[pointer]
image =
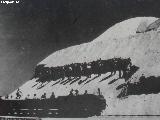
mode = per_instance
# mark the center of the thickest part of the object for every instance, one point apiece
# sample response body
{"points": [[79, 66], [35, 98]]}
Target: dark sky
{"points": [[33, 29]]}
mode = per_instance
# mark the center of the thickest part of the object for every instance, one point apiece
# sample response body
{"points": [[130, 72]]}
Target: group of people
{"points": [[77, 70], [18, 95], [44, 96], [76, 92]]}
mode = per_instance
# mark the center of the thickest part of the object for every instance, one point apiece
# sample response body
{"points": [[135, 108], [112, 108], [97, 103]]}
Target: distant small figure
{"points": [[28, 96], [6, 97], [76, 92], [11, 96], [52, 95], [18, 94], [71, 92], [142, 78], [43, 96], [99, 91], [34, 96], [85, 93]]}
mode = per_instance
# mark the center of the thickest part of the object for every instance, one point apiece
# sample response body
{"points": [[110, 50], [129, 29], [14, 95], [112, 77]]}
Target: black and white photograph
{"points": [[80, 59]]}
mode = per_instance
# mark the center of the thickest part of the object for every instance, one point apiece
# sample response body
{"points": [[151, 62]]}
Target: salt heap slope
{"points": [[102, 47], [121, 40]]}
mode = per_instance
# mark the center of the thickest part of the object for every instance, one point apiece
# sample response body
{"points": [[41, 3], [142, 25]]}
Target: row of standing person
{"points": [[82, 69], [44, 96], [85, 92], [72, 93]]}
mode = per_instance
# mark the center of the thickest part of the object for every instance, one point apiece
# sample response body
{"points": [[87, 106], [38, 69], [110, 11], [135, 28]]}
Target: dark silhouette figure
{"points": [[11, 96], [52, 95], [86, 70], [130, 72], [76, 70], [95, 67], [34, 96], [38, 70], [18, 94], [6, 97], [126, 67], [85, 92], [43, 96], [28, 96], [142, 78], [71, 92], [99, 91], [76, 92]]}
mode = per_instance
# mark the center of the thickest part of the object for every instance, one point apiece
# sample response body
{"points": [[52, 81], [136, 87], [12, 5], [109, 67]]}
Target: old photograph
{"points": [[80, 59]]}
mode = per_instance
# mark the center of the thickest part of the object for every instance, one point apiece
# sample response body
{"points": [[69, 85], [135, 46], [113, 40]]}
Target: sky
{"points": [[34, 29]]}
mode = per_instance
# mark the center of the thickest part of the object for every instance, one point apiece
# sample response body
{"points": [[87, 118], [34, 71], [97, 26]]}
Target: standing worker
{"points": [[52, 95], [76, 92], [99, 91]]}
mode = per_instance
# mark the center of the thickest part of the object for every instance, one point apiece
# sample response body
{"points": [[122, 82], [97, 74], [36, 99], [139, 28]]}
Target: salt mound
{"points": [[101, 47], [121, 40]]}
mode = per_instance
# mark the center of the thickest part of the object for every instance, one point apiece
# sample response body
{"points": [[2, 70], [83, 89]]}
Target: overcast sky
{"points": [[33, 29]]}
